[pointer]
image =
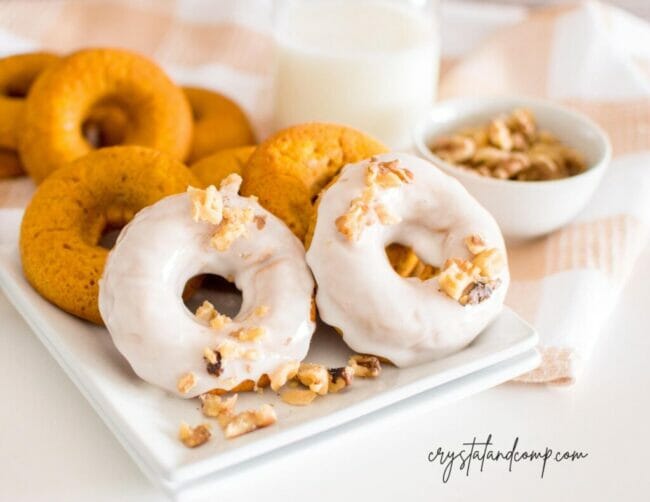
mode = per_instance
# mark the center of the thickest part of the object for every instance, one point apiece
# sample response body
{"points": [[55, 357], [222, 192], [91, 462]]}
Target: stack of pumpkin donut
{"points": [[111, 142]]}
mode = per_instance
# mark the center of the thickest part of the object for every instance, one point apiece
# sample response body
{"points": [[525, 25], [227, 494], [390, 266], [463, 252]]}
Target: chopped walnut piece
{"points": [[298, 397], [365, 366], [362, 210], [260, 221], [186, 383], [218, 321], [249, 334], [455, 149], [315, 377], [207, 205], [205, 311], [478, 292], [387, 174], [499, 134], [490, 262], [283, 373], [475, 243], [194, 436], [385, 216], [339, 378], [261, 310], [213, 362], [510, 147], [232, 227], [352, 222], [456, 276], [230, 350], [248, 421], [213, 405]]}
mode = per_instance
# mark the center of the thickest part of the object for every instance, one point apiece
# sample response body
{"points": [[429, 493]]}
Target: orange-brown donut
{"points": [[17, 74], [63, 223], [288, 170], [218, 123], [63, 97]]}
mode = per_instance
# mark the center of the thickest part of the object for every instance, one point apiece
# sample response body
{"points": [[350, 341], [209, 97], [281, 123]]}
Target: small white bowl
{"points": [[523, 209]]}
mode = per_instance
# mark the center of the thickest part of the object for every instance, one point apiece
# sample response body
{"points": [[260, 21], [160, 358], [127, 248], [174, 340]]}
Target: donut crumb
{"points": [[249, 421], [365, 366], [186, 382], [194, 436]]}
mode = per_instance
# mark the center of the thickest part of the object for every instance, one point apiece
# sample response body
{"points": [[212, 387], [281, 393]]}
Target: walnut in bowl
{"points": [[533, 164]]}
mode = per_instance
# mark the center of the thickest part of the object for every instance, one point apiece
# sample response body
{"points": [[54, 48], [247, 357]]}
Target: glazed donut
{"points": [[64, 96], [69, 212], [288, 170], [398, 198], [218, 123], [17, 74], [233, 237], [211, 170]]}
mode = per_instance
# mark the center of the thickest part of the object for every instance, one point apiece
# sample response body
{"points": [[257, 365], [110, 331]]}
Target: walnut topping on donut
{"points": [[490, 262], [249, 334], [456, 276], [213, 405], [314, 376], [387, 174], [186, 382], [232, 227], [364, 209], [207, 205], [207, 312], [283, 373], [219, 321], [194, 436], [479, 291], [339, 378], [248, 421], [213, 361], [475, 244], [261, 310], [471, 282], [365, 366]]}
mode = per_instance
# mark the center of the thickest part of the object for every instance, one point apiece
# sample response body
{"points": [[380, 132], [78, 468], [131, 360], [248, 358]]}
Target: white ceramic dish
{"points": [[145, 419], [522, 209]]}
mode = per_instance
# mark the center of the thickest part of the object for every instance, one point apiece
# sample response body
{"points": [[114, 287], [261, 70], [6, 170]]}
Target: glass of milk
{"points": [[370, 64]]}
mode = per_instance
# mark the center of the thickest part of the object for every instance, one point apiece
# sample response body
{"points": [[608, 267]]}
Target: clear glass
{"points": [[370, 64]]}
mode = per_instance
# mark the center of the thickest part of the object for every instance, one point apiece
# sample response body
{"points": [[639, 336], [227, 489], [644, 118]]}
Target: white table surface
{"points": [[53, 447]]}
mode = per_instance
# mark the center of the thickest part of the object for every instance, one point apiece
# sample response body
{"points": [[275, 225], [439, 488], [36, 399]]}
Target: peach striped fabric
{"points": [[587, 57], [565, 283]]}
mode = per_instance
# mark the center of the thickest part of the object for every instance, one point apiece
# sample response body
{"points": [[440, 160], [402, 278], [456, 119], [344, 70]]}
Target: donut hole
{"points": [[219, 291], [109, 236], [106, 124], [406, 263], [17, 91]]}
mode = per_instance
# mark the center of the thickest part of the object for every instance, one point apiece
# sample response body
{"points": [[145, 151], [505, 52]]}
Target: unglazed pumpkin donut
{"points": [[222, 233], [64, 96], [17, 74], [399, 198], [288, 170], [211, 170], [218, 123], [65, 219]]}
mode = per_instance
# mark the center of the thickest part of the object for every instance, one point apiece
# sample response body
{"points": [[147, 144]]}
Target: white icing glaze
{"points": [[154, 256], [405, 320]]}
